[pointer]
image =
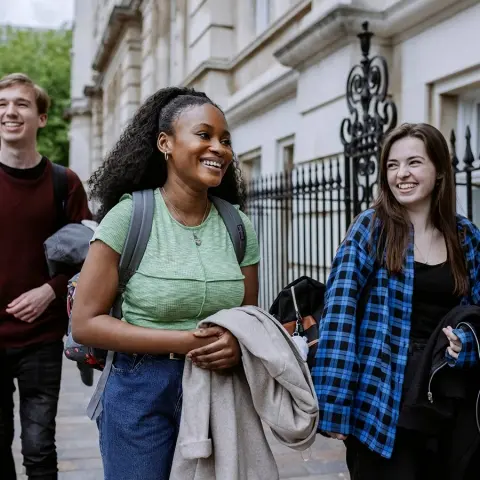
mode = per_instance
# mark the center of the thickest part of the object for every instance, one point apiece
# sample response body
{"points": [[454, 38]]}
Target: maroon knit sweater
{"points": [[27, 219]]}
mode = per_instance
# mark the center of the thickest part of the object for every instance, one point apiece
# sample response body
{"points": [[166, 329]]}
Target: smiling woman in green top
{"points": [[178, 143]]}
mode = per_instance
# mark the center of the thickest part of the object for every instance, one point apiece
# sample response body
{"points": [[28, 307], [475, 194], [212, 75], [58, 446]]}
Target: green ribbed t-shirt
{"points": [[179, 283]]}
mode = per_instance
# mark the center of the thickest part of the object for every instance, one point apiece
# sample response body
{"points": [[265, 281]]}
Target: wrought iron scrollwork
{"points": [[372, 115]]}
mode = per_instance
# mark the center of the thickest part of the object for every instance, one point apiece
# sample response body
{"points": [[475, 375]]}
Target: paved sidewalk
{"points": [[79, 457]]}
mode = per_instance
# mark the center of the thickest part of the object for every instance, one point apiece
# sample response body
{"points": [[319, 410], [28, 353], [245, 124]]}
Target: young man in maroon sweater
{"points": [[32, 308]]}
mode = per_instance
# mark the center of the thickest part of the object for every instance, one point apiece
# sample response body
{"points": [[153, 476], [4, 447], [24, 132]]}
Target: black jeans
{"points": [[412, 459], [38, 372]]}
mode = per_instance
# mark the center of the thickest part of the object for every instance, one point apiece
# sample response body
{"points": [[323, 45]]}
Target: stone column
{"points": [[162, 48], [130, 80], [96, 146], [80, 137], [178, 42], [244, 24], [81, 75], [150, 22]]}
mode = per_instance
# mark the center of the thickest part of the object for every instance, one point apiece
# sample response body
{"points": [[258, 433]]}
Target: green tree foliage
{"points": [[44, 55]]}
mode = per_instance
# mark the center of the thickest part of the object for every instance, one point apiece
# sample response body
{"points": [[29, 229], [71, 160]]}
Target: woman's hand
{"points": [[337, 436], [455, 346], [219, 355]]}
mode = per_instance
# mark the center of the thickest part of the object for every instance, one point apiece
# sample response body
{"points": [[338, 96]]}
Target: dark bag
{"points": [[298, 307], [68, 246], [133, 250]]}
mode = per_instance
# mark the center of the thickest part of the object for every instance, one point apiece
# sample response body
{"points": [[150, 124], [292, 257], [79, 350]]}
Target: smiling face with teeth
{"points": [[19, 116], [199, 150], [411, 174]]}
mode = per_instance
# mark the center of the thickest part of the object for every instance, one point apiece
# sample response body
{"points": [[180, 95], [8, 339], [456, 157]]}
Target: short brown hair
{"points": [[41, 96]]}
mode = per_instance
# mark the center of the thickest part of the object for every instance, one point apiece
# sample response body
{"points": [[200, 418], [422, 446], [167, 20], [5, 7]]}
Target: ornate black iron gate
{"points": [[372, 115], [301, 215]]}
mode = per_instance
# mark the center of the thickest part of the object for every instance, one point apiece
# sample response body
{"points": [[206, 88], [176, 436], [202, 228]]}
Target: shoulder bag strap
{"points": [[60, 193], [234, 223], [135, 244]]}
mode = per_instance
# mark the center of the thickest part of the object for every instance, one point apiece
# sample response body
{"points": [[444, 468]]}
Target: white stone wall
{"points": [[446, 50], [280, 77], [102, 12], [286, 80], [264, 131], [83, 47], [80, 156]]}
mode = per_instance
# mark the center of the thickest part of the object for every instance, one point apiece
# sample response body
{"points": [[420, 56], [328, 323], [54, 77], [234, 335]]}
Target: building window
{"points": [[469, 116], [263, 15], [285, 154], [251, 164]]}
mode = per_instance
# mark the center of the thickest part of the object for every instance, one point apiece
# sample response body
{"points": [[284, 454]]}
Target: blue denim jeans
{"points": [[139, 423]]}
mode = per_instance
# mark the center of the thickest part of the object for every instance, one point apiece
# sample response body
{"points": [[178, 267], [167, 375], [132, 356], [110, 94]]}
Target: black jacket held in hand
{"points": [[298, 307], [442, 395]]}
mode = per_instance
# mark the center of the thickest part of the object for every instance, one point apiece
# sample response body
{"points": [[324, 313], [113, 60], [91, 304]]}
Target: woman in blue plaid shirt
{"points": [[403, 265]]}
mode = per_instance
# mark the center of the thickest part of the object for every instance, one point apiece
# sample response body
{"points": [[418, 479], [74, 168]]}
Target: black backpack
{"points": [[298, 307], [60, 193]]}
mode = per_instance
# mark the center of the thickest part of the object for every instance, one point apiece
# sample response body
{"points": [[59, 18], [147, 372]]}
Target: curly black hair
{"points": [[135, 163]]}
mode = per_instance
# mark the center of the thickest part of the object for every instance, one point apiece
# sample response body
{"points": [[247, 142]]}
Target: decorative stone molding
{"points": [[76, 111], [322, 34], [296, 12], [135, 4], [333, 28], [228, 65], [212, 64], [119, 18], [280, 84], [93, 91]]}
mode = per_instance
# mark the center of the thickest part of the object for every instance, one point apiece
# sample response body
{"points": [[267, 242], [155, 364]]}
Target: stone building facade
{"points": [[277, 67]]}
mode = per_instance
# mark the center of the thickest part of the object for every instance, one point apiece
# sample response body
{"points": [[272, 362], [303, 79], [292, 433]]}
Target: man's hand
{"points": [[219, 355], [30, 305]]}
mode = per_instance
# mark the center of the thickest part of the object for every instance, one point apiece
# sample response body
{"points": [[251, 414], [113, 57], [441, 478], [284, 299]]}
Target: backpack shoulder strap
{"points": [[234, 223], [60, 193], [135, 243]]}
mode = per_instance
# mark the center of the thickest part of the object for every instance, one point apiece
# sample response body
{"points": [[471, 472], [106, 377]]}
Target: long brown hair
{"points": [[395, 226]]}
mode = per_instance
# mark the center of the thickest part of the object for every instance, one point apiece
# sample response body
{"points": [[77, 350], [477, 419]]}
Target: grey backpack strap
{"points": [[135, 244], [234, 223]]}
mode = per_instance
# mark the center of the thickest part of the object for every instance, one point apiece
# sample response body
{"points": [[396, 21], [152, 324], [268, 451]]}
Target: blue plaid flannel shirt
{"points": [[358, 379]]}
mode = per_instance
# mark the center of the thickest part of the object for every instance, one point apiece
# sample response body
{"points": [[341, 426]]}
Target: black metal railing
{"points": [[467, 180], [299, 217], [302, 215]]}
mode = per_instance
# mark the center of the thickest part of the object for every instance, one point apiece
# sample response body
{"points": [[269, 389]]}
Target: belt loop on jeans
{"points": [[176, 356]]}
